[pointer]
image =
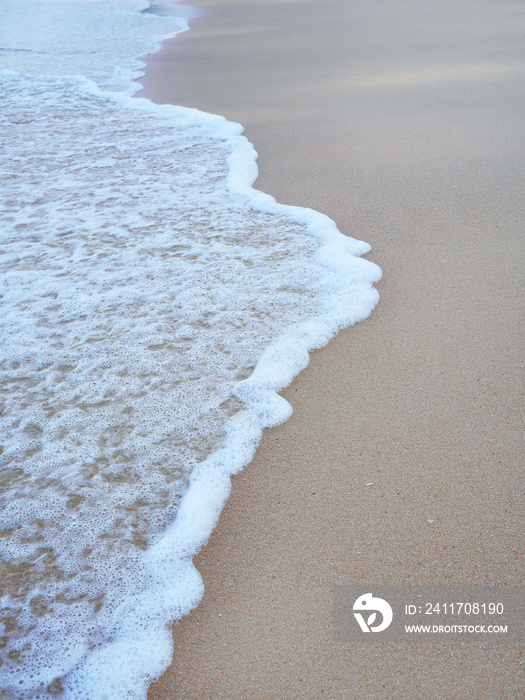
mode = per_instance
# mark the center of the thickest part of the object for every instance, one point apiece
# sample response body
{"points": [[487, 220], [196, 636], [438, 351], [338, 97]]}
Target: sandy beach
{"points": [[402, 121]]}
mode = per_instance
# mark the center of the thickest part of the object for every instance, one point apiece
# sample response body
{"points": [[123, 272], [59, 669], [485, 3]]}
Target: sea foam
{"points": [[153, 304]]}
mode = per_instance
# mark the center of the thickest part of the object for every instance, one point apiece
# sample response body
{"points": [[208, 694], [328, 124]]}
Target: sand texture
{"points": [[403, 121]]}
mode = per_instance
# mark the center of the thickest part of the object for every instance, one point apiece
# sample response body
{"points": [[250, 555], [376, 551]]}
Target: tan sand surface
{"points": [[403, 121]]}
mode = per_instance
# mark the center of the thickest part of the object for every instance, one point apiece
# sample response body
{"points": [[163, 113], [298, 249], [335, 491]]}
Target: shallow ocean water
{"points": [[152, 304]]}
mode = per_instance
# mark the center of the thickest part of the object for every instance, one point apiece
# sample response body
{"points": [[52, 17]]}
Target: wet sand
{"points": [[403, 121]]}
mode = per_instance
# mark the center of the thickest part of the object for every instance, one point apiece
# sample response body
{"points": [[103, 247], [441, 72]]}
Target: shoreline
{"points": [[421, 398]]}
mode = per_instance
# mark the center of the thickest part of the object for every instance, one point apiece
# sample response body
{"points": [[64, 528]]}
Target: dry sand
{"points": [[403, 121]]}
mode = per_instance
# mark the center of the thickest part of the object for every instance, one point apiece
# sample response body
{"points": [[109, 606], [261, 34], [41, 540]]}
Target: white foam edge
{"points": [[141, 646]]}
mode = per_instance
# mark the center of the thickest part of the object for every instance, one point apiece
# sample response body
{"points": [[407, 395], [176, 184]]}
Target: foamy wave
{"points": [[154, 303]]}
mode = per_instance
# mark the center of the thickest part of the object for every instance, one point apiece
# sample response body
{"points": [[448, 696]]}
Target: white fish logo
{"points": [[368, 602]]}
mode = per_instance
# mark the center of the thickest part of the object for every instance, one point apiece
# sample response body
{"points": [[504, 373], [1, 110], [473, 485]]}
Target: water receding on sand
{"points": [[139, 287]]}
